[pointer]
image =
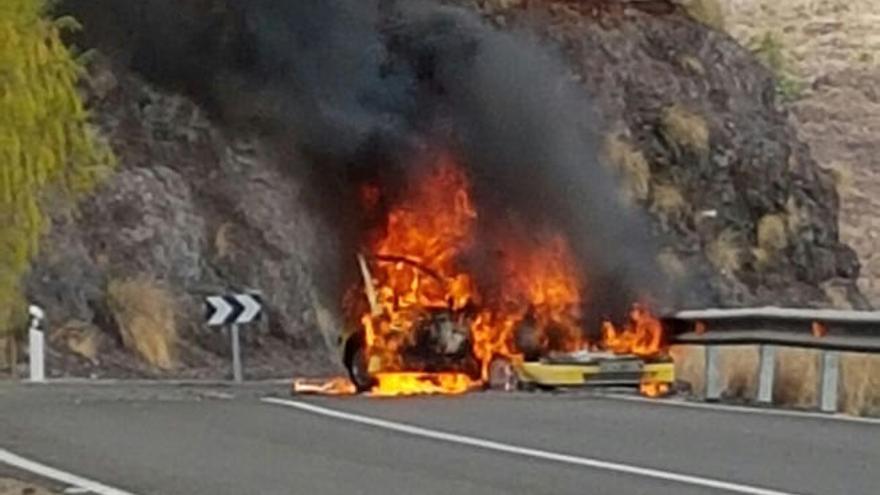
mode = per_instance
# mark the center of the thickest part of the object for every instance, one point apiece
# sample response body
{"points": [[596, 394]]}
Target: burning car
{"points": [[424, 319], [436, 354]]}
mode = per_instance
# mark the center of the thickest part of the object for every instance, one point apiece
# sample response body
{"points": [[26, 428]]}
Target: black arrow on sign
{"points": [[233, 309]]}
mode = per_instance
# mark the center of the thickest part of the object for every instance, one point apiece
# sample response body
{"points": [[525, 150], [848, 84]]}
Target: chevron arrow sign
{"points": [[233, 309]]}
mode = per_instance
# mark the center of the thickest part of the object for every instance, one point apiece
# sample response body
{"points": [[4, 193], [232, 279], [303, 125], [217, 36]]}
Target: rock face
{"points": [[704, 143], [691, 122], [200, 213], [831, 47]]}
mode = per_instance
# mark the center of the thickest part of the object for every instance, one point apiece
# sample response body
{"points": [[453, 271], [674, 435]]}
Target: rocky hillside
{"points": [[688, 119], [830, 48], [703, 141]]}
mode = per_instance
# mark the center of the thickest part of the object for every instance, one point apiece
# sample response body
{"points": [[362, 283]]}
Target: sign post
{"points": [[236, 355], [232, 311]]}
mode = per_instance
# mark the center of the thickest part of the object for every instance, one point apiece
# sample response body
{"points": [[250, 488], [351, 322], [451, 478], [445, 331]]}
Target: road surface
{"points": [[192, 441]]}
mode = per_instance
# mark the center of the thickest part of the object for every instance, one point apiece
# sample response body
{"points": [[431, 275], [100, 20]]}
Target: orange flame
{"points": [[654, 389], [642, 335], [389, 384], [415, 269], [422, 238], [540, 290]]}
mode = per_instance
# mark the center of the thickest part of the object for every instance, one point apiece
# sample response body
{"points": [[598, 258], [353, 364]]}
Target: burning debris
{"points": [[324, 386]]}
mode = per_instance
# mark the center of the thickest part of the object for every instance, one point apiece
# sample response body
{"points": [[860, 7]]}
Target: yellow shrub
{"points": [[725, 253], [772, 233], [860, 384], [709, 12], [145, 314], [685, 128], [632, 165], [46, 146], [797, 377]]}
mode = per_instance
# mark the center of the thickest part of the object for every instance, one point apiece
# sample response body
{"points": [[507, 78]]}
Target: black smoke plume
{"points": [[362, 87]]}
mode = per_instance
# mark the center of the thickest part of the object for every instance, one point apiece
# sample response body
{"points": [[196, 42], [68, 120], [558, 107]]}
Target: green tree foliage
{"points": [[46, 145]]}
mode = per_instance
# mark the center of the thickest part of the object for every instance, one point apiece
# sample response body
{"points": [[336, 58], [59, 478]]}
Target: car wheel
{"points": [[358, 371]]}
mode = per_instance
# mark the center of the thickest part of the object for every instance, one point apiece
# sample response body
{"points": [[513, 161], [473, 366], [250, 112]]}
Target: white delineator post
{"points": [[37, 345], [766, 373], [829, 381], [713, 373]]}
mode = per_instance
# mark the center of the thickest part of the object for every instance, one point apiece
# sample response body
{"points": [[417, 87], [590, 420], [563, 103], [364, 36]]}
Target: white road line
{"points": [[529, 452], [745, 409], [7, 457]]}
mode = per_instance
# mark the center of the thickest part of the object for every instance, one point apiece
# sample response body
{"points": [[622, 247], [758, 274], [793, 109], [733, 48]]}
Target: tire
{"points": [[358, 371]]}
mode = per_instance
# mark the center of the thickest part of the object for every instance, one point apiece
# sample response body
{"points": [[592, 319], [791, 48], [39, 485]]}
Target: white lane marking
{"points": [[529, 452], [7, 457], [76, 490], [745, 409]]}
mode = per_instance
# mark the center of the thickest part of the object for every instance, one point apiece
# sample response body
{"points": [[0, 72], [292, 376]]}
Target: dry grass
{"points": [[819, 34], [860, 384], [690, 363], [685, 128], [222, 241], [632, 166], [692, 65], [725, 252], [739, 371], [843, 179], [145, 315], [80, 338], [737, 365], [668, 201], [796, 382], [772, 233], [709, 12]]}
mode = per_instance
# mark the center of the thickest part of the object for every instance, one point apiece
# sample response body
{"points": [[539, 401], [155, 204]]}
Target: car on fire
{"points": [[441, 341]]}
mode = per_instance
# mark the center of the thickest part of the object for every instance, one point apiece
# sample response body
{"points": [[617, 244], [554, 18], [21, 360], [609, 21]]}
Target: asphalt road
{"points": [[189, 441]]}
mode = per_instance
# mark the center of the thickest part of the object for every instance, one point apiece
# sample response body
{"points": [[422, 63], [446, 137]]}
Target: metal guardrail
{"points": [[830, 331]]}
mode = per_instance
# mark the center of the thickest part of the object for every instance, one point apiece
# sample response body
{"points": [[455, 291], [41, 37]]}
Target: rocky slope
{"points": [[688, 118], [694, 122], [831, 48]]}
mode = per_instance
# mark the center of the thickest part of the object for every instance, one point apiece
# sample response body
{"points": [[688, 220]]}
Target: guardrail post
{"points": [[713, 374], [766, 372], [830, 379]]}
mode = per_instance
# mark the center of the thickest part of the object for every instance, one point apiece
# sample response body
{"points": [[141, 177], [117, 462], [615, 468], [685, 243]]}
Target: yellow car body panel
{"points": [[561, 375]]}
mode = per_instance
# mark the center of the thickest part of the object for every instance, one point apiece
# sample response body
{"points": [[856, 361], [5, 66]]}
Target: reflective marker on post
{"points": [[766, 374], [713, 374], [830, 378]]}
